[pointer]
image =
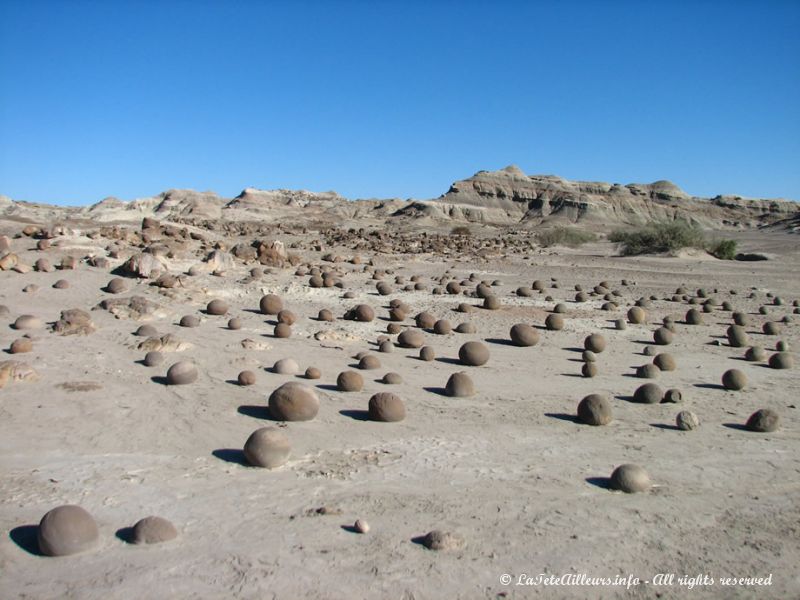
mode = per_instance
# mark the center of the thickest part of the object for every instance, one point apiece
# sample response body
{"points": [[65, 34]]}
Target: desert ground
{"points": [[517, 480]]}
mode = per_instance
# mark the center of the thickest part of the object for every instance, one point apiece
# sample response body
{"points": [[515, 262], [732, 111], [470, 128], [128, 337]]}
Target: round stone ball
{"points": [[782, 346], [349, 381], [427, 353], [755, 354], [694, 317], [362, 313], [189, 321], [287, 316], [270, 304], [595, 409], [217, 308], [246, 378], [781, 360], [630, 479], [181, 373], [771, 328], [620, 324], [313, 373], [21, 346], [588, 356], [386, 346], [453, 287], [369, 362], [66, 530], [473, 354], [234, 324], [153, 530], [293, 401], [466, 327], [325, 315], [61, 284], [672, 396], [581, 297], [595, 343], [648, 371], [386, 407], [442, 327], [665, 361], [662, 336], [394, 328], [286, 366], [459, 385], [282, 331], [589, 369], [734, 379], [425, 320], [764, 420], [741, 318], [737, 336], [392, 378], [117, 286], [153, 358], [267, 447], [491, 303], [146, 331], [28, 322], [554, 322], [411, 338], [649, 351], [686, 420], [637, 315], [649, 393], [524, 335]]}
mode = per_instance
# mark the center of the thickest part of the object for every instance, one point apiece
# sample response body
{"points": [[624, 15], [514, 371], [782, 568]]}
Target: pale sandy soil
{"points": [[507, 468]]}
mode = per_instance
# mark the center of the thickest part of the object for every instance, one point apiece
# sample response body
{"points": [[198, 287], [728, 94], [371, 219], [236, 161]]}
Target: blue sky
{"points": [[394, 99]]}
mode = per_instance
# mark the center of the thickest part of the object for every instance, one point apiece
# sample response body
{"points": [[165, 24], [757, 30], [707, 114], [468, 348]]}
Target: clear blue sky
{"points": [[380, 99]]}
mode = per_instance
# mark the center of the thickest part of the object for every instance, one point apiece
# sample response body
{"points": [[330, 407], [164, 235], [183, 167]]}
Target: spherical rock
{"points": [[361, 526], [286, 366], [459, 385], [648, 371], [764, 420], [741, 318], [425, 320], [491, 303], [665, 362], [153, 358], [630, 479], [349, 381], [293, 401], [672, 396], [234, 324], [734, 379], [466, 327], [637, 315], [146, 331], [427, 353], [270, 304], [386, 407], [649, 351], [595, 342], [411, 338], [369, 362], [267, 447], [523, 334], [595, 409], [287, 316], [781, 360], [588, 356], [554, 322], [61, 284], [662, 336], [189, 321], [771, 328], [737, 336], [217, 308], [21, 346], [246, 378], [443, 541], [473, 354], [66, 530], [117, 286], [361, 312], [442, 327], [589, 369], [386, 346], [686, 420], [28, 322], [649, 393], [282, 331], [313, 373], [325, 315], [181, 373], [153, 530], [392, 378], [755, 354], [620, 324], [694, 317]]}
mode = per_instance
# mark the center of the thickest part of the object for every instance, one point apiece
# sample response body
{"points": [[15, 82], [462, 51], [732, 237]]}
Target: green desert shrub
{"points": [[564, 236], [658, 237], [723, 249], [460, 230]]}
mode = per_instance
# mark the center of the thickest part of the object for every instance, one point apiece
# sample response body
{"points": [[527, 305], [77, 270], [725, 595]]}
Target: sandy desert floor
{"points": [[508, 469]]}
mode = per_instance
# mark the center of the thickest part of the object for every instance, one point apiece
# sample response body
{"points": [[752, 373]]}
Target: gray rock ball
{"points": [[153, 530], [411, 338], [595, 409], [267, 447], [781, 360], [663, 336], [427, 353], [392, 378], [473, 354], [246, 378], [369, 362], [665, 362], [491, 303], [589, 369], [287, 316], [325, 315], [648, 371], [734, 379], [554, 322], [363, 313], [737, 336], [694, 317], [234, 324], [686, 420], [146, 331], [595, 343], [672, 396], [637, 315], [189, 321], [755, 354], [117, 286], [66, 530], [217, 307], [466, 327], [425, 320], [270, 304], [24, 322], [282, 331], [524, 335], [442, 327], [386, 407], [153, 358], [349, 381], [630, 479], [459, 385], [286, 366], [764, 420], [442, 541], [182, 373], [313, 373], [649, 393], [294, 401]]}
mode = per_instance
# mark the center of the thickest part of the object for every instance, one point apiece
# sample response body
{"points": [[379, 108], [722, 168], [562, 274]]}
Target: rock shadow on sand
{"points": [[231, 455], [27, 538]]}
